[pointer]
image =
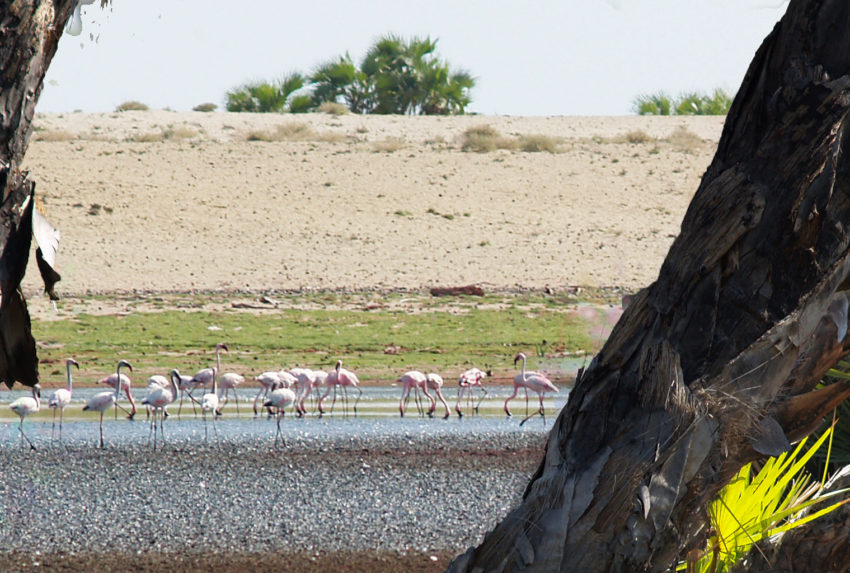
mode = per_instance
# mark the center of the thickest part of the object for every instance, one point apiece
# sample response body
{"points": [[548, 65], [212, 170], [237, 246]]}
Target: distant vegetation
{"points": [[205, 107], [131, 106], [693, 103], [396, 76]]}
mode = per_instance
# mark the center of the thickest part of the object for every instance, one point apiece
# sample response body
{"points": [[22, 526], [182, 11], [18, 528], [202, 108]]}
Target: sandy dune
{"points": [[167, 201]]}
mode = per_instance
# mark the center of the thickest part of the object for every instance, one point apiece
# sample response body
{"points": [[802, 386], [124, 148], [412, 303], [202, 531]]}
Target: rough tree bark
{"points": [[29, 36], [714, 364]]}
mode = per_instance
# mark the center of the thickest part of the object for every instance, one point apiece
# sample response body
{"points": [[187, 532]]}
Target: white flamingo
{"points": [[25, 406], [158, 398], [279, 399], [209, 403], [534, 381], [101, 401], [271, 380], [340, 377], [61, 397], [468, 380]]}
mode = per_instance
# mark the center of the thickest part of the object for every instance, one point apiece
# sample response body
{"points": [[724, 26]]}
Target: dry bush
{"points": [[388, 145], [205, 107], [147, 137], [131, 106], [179, 133], [54, 135], [484, 138], [536, 143], [332, 137], [637, 136], [685, 140], [292, 131], [332, 108]]}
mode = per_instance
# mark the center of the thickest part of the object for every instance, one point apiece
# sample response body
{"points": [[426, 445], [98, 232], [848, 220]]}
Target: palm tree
{"points": [[265, 97]]}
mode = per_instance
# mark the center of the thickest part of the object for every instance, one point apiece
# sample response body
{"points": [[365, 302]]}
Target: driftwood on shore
{"points": [[471, 290]]}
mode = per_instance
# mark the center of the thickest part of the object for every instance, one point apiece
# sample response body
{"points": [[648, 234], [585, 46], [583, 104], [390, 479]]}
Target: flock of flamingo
{"points": [[278, 390]]}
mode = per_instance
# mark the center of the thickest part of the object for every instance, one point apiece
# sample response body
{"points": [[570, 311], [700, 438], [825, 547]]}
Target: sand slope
{"points": [[169, 201]]}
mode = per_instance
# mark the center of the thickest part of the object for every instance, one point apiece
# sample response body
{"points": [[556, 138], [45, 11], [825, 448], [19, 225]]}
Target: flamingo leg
{"points": [[61, 416], [101, 429], [526, 401], [24, 436], [481, 399], [540, 411]]}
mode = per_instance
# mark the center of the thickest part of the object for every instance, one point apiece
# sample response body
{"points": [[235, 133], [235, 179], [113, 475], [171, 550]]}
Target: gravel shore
{"points": [[373, 503]]}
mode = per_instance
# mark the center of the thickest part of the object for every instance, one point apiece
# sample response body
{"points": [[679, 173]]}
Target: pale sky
{"points": [[546, 57]]}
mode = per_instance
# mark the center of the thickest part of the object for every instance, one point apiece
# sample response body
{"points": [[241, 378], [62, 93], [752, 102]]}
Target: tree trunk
{"points": [[29, 36], [716, 362]]}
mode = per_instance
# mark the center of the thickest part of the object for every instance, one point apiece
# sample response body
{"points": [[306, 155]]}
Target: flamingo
{"points": [[279, 398], [270, 380], [61, 398], [534, 381], [112, 382], [435, 382], [25, 406], [342, 378], [186, 384], [228, 381], [415, 381], [158, 398], [305, 380], [209, 403], [205, 375], [101, 401], [154, 382], [466, 382]]}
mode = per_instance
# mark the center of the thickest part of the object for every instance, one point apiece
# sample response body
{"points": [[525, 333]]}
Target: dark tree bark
{"points": [[29, 35], [714, 364]]}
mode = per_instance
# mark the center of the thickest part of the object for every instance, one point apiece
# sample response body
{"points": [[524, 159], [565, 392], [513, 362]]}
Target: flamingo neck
{"points": [[118, 383], [70, 382]]}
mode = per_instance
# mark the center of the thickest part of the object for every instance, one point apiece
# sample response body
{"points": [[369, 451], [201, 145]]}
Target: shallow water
{"points": [[377, 416]]}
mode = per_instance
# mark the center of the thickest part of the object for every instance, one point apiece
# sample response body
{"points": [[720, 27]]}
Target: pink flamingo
{"points": [[435, 382], [112, 382], [279, 399], [61, 398], [534, 381], [101, 401], [305, 381], [413, 381], [344, 379], [466, 382], [154, 382], [209, 403], [158, 398], [25, 406], [204, 376], [229, 381]]}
